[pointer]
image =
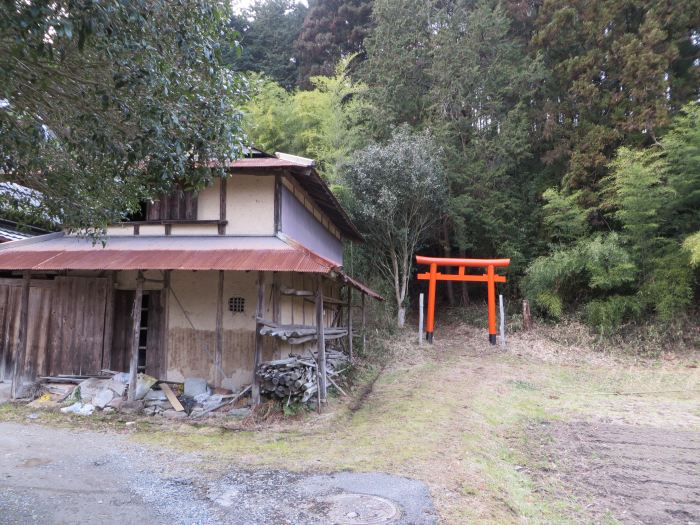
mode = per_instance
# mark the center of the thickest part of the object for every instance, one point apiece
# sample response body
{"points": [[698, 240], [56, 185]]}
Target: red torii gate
{"points": [[490, 278]]}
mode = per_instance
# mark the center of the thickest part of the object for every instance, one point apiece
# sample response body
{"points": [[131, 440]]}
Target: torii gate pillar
{"points": [[490, 278]]}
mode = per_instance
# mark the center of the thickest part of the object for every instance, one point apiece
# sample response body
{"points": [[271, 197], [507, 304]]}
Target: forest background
{"points": [[562, 134]]}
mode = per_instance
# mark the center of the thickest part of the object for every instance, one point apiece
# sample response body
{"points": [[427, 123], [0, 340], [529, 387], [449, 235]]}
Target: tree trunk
{"points": [[464, 300], [447, 252], [401, 316]]}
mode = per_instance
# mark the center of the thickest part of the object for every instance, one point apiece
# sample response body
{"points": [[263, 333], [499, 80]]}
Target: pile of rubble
{"points": [[108, 393]]}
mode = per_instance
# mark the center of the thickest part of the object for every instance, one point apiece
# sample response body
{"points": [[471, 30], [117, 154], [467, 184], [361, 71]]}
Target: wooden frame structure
{"points": [[490, 278]]}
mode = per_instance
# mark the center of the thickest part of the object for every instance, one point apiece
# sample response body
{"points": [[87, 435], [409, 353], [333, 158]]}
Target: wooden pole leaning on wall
{"points": [[350, 334], [21, 348], [259, 311], [135, 335], [321, 342], [218, 356]]}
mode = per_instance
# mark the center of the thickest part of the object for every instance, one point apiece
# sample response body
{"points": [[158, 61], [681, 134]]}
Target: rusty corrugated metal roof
{"points": [[55, 252], [162, 253]]}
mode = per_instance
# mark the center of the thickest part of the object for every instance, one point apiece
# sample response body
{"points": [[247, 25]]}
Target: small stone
{"points": [[33, 415], [72, 409], [108, 410], [132, 406], [173, 414], [130, 423]]}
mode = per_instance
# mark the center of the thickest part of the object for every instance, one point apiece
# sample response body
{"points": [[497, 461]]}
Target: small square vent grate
{"points": [[236, 305]]}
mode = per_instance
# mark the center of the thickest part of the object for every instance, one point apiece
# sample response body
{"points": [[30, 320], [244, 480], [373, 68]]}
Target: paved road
{"points": [[61, 476]]}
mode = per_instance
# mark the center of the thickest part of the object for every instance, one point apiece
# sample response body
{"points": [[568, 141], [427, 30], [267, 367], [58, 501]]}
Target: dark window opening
{"points": [[236, 304]]}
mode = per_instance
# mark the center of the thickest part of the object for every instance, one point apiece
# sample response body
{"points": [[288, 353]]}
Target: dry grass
{"points": [[456, 415]]}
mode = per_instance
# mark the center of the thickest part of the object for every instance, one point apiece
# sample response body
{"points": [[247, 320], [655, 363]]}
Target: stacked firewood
{"points": [[296, 378]]}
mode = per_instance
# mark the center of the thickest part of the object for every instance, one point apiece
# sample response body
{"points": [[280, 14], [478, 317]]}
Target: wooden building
{"points": [[184, 291]]}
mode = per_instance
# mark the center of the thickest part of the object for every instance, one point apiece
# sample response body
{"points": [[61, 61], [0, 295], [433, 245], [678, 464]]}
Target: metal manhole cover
{"points": [[359, 509]]}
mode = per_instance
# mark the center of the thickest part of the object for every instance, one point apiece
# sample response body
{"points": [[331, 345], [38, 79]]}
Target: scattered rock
{"points": [[195, 386], [89, 388], [155, 395], [201, 398], [143, 385], [172, 414], [116, 403], [79, 408], [102, 397], [132, 406]]}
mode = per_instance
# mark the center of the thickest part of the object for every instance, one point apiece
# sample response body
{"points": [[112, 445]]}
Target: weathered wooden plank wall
{"points": [[38, 334], [79, 326]]}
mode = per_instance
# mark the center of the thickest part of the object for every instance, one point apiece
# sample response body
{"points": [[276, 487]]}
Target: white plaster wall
{"points": [[194, 229], [118, 230], [250, 205], [151, 229], [208, 202]]}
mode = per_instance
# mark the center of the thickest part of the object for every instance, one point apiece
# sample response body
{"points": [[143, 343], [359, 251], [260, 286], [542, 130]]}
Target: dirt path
{"points": [[626, 473]]}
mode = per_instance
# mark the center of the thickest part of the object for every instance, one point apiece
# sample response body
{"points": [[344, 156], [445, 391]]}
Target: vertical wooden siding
{"points": [[65, 333], [38, 332]]}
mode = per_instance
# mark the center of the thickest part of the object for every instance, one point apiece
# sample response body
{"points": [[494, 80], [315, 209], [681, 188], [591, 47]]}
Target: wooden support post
{"points": [[218, 356], [276, 310], [364, 326], [135, 334], [166, 322], [109, 324], [350, 334], [20, 352], [491, 293], [321, 342], [259, 311]]}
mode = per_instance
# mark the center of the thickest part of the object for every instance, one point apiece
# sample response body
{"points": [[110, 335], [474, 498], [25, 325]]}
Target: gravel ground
{"points": [[57, 476]]}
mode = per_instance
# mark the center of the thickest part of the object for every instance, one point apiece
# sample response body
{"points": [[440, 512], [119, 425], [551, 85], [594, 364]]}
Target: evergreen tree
{"points": [[333, 29], [267, 31]]}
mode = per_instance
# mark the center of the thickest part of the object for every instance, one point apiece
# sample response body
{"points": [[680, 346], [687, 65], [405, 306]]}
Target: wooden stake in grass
{"points": [[502, 320], [420, 319]]}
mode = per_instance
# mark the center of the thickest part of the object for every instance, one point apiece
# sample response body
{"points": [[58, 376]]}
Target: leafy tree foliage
{"points": [[646, 264], [323, 123], [333, 29], [105, 103], [398, 193], [267, 32]]}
